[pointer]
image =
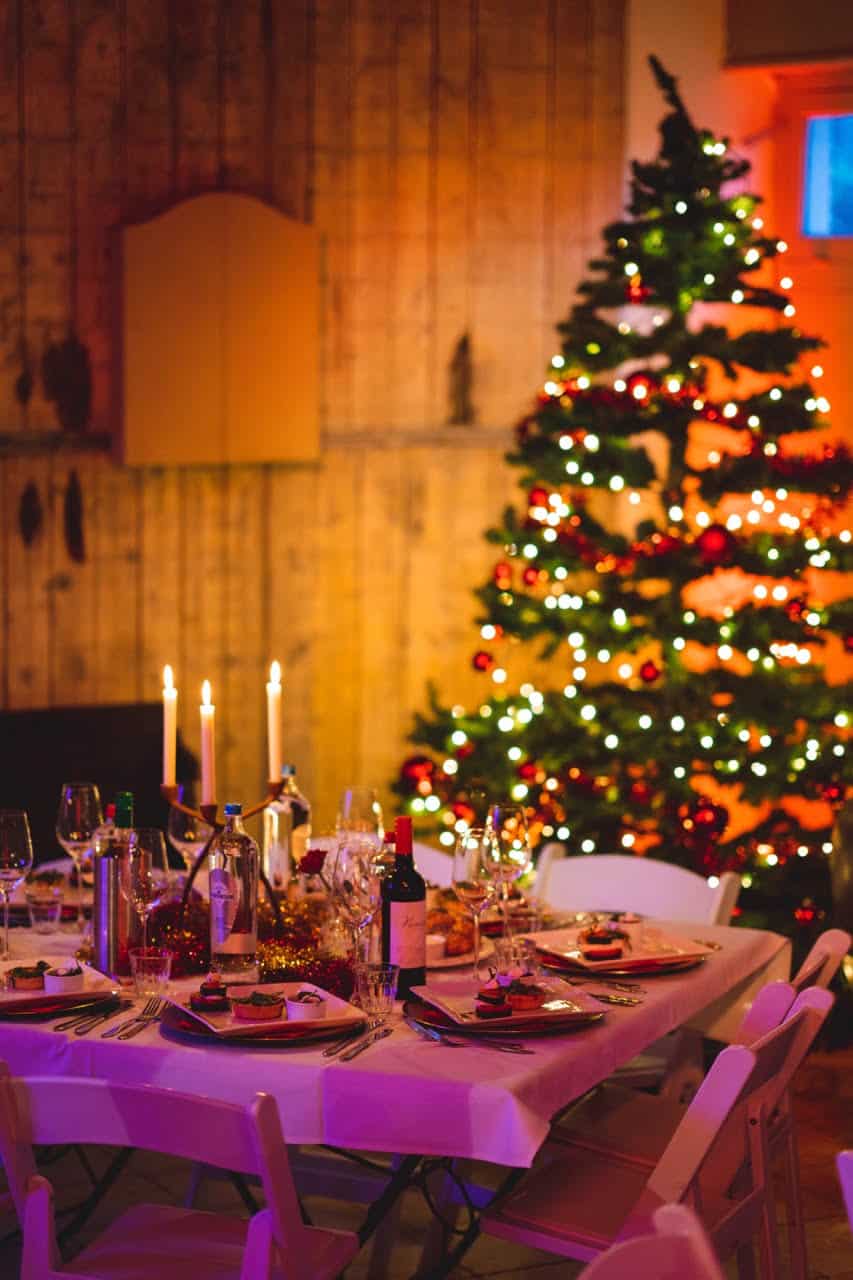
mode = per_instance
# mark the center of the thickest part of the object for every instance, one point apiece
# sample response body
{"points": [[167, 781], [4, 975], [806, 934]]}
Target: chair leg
{"points": [[798, 1260], [197, 1176], [746, 1262], [446, 1213], [686, 1070]]}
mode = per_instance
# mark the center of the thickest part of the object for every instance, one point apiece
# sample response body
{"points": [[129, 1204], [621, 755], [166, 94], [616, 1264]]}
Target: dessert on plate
{"points": [[524, 995], [68, 978], [211, 996], [260, 1006], [305, 1006], [491, 1001], [27, 977]]}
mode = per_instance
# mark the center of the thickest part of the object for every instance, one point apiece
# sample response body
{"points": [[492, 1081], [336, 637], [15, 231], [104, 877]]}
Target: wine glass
{"points": [[511, 849], [474, 883], [187, 834], [356, 886], [144, 874], [16, 858], [359, 811], [77, 820]]}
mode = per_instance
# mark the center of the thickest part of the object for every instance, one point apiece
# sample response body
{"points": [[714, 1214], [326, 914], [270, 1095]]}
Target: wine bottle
{"points": [[404, 913]]}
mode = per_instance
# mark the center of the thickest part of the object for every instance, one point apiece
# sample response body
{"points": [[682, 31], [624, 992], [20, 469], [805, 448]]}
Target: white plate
{"points": [[339, 1013], [94, 983], [457, 962]]}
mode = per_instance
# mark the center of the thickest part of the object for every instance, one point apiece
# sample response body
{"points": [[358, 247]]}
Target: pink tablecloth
{"points": [[406, 1095]]}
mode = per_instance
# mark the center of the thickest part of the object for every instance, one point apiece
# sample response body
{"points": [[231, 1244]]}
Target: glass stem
{"points": [[476, 947], [144, 932], [81, 919], [505, 906], [5, 923]]}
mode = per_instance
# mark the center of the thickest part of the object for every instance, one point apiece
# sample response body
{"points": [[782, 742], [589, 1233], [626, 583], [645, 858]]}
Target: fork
{"points": [[150, 1010]]}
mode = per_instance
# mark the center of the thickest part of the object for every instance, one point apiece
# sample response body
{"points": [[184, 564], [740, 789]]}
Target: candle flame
{"points": [[168, 678], [205, 694], [275, 673]]}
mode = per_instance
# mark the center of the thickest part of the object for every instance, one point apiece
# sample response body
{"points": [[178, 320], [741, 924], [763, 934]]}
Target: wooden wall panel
{"points": [[458, 158]]}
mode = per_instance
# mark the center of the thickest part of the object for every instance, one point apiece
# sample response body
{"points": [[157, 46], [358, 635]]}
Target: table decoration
{"points": [[274, 721], [170, 728]]}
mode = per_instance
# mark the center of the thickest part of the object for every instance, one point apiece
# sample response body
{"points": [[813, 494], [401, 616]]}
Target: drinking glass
{"points": [[359, 811], [356, 886], [150, 969], [144, 874], [16, 858], [376, 988], [474, 883], [510, 849], [77, 819], [187, 834]]}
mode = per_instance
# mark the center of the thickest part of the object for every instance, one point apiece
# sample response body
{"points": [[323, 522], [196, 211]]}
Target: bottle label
{"points": [[224, 901], [407, 941]]}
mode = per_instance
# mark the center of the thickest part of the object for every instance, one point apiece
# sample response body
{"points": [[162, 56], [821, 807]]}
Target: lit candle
{"points": [[170, 727], [208, 751], [274, 722]]}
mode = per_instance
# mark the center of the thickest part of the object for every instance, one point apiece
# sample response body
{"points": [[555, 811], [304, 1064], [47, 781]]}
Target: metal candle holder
{"points": [[208, 813]]}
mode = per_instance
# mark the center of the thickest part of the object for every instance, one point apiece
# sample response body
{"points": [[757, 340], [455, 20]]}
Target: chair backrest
{"points": [[767, 1010], [679, 1250], [61, 1110], [435, 867], [712, 1138], [620, 882], [844, 1162], [823, 961]]}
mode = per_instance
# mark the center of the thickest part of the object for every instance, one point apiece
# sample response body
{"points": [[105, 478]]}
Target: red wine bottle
{"points": [[404, 914]]}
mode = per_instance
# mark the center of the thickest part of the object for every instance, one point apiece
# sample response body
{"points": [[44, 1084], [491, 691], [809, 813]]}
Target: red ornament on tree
{"points": [[417, 768], [649, 672], [641, 793], [848, 643], [527, 771], [796, 608], [530, 576], [503, 575], [482, 661], [715, 545], [832, 792], [538, 497], [463, 752], [635, 290]]}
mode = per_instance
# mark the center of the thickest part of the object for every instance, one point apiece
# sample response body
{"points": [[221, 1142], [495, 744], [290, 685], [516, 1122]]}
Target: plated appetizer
{"points": [[69, 978], [305, 1006], [27, 977], [491, 1001], [260, 1006], [211, 996], [523, 995]]}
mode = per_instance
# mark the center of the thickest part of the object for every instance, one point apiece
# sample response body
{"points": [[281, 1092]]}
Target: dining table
{"points": [[411, 1096]]}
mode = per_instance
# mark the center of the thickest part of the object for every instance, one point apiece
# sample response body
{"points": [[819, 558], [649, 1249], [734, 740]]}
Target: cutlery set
{"points": [[438, 1036], [83, 1023]]}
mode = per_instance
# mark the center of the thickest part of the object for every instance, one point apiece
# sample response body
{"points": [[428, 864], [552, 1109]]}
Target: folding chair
{"points": [[155, 1240], [679, 1249], [577, 1201]]}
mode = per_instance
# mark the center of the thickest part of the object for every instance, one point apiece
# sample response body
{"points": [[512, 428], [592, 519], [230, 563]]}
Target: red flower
{"points": [[312, 863]]}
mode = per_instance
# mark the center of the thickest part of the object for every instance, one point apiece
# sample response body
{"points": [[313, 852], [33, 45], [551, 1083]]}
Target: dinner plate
{"points": [[177, 1024], [457, 962], [516, 1025], [639, 968], [37, 1005]]}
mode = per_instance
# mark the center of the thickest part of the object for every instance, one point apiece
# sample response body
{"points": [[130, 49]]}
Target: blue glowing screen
{"points": [[828, 195]]}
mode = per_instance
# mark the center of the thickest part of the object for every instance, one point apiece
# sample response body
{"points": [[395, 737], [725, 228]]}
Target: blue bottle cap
{"points": [[233, 810]]}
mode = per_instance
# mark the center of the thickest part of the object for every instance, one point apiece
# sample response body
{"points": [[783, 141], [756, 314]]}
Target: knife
{"points": [[365, 1044], [88, 1024]]}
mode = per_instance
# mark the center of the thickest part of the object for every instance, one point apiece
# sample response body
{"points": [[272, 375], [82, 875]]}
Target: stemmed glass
{"points": [[356, 886], [474, 866], [77, 819], [144, 874], [359, 811], [187, 834], [16, 858], [510, 849]]}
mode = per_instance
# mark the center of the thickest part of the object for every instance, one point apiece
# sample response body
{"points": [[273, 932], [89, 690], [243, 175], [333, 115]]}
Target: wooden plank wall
{"points": [[459, 158]]}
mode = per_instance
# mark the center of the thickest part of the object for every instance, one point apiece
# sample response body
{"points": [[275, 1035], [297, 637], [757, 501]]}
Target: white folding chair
{"points": [[844, 1163], [156, 1240], [577, 1201], [679, 1250], [823, 961], [626, 882], [435, 867], [605, 882]]}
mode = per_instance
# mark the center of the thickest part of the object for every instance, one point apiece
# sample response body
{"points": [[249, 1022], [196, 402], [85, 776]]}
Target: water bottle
{"points": [[287, 829], [112, 918], [234, 863]]}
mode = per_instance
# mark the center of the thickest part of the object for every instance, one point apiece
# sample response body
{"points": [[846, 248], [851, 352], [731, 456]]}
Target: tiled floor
{"points": [[824, 1106]]}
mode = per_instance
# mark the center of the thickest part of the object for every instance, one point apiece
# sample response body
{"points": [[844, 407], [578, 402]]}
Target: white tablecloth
{"points": [[406, 1095]]}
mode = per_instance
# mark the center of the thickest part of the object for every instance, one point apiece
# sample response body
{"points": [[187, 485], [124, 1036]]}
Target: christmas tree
{"points": [[666, 564]]}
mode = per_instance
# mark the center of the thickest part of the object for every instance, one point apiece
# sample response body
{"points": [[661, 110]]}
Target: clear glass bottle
{"points": [[234, 864], [287, 830]]}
